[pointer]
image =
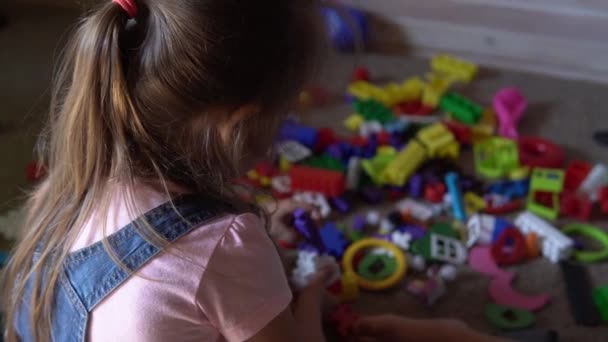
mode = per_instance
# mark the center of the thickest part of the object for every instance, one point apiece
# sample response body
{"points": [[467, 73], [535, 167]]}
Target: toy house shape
{"points": [[545, 187]]}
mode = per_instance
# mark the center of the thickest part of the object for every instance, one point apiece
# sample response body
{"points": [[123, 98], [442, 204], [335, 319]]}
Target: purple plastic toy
{"points": [[510, 105], [306, 226], [340, 204], [416, 186]]}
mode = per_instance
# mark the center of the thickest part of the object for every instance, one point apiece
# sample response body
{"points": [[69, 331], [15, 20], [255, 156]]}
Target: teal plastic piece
{"points": [[372, 110], [600, 297], [325, 161], [548, 181], [461, 108], [506, 318]]}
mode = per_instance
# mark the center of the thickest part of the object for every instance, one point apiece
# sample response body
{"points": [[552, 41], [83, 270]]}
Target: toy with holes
{"points": [[439, 141], [555, 245], [326, 182], [455, 68], [407, 161], [388, 280], [545, 187], [496, 157], [510, 105], [461, 108], [434, 90]]}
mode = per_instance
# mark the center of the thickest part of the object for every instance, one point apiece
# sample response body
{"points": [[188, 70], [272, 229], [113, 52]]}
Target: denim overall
{"points": [[90, 274]]}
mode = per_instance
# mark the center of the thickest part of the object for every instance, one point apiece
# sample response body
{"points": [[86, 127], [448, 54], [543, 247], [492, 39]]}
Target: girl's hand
{"points": [[308, 307], [392, 328], [281, 216]]}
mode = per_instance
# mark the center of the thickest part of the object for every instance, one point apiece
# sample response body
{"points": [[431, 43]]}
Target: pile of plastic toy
{"points": [[406, 138]]}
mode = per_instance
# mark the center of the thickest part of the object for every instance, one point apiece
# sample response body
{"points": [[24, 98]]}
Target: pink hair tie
{"points": [[129, 6]]}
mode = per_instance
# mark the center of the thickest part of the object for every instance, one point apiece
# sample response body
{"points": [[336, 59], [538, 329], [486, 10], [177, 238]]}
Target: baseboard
{"points": [[565, 40]]}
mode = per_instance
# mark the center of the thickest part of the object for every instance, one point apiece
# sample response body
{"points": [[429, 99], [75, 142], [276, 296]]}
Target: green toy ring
{"points": [[594, 233], [506, 318], [386, 267]]}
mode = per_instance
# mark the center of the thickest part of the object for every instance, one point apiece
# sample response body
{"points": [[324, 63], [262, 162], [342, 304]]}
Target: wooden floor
{"points": [[565, 111]]}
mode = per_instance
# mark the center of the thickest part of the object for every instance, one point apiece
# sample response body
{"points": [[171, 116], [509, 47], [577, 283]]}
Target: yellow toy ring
{"points": [[394, 279]]}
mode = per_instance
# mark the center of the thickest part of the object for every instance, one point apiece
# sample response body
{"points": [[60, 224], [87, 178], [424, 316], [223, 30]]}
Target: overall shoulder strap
{"points": [[94, 274]]}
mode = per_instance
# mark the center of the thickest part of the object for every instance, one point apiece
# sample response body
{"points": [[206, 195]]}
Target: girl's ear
{"points": [[235, 117]]}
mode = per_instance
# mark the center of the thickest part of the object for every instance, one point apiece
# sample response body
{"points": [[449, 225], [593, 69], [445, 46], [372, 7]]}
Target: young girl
{"points": [[159, 106]]}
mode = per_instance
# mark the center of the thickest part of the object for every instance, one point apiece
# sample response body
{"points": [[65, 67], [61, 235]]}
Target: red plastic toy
{"points": [[413, 108], [604, 200], [510, 248], [508, 208], [539, 152], [361, 74], [345, 319], [462, 132], [575, 206], [329, 183], [576, 173], [433, 192], [325, 137]]}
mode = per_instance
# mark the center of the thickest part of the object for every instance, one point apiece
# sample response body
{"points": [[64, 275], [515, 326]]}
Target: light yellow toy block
{"points": [[412, 89], [375, 167], [433, 91], [457, 68], [404, 165], [284, 164], [361, 90], [474, 203], [520, 173], [486, 126], [451, 150], [354, 122], [435, 138], [433, 77], [393, 95]]}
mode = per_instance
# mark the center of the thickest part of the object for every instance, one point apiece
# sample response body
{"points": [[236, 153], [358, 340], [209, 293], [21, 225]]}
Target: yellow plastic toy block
{"points": [[375, 166], [485, 127], [354, 122], [404, 165], [474, 203], [434, 90], [439, 141], [456, 68], [389, 95], [350, 287]]}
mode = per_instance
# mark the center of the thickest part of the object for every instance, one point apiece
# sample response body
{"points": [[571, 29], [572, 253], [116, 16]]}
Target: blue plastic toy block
{"points": [[334, 240], [303, 134], [510, 189], [500, 225], [451, 180]]}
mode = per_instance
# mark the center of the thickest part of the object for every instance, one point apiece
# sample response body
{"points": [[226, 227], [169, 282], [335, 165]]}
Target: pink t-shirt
{"points": [[222, 281]]}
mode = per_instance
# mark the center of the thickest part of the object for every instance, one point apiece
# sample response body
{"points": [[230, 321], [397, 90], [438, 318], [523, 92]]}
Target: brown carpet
{"points": [[565, 111]]}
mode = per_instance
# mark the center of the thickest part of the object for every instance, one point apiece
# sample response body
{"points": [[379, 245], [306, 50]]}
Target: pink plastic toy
{"points": [[510, 105], [500, 289]]}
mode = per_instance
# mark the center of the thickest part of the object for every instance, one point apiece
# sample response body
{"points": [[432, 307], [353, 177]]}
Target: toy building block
{"points": [[555, 245], [305, 135], [434, 192], [353, 173], [455, 68], [372, 110], [447, 249], [354, 122], [600, 297], [575, 206], [461, 108], [485, 127], [370, 127], [293, 151], [433, 91], [551, 183], [597, 178], [404, 165], [334, 241], [374, 167], [418, 210], [496, 157], [329, 183], [576, 172], [307, 265], [360, 74], [539, 152], [510, 105], [319, 201], [306, 226], [345, 319], [474, 203], [350, 287], [451, 179], [603, 199], [439, 141], [510, 248], [325, 162], [480, 228]]}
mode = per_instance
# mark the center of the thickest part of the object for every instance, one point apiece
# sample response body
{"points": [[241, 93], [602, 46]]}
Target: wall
{"points": [[568, 38]]}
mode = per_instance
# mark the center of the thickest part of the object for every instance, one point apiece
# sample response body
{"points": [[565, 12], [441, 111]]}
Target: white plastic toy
{"points": [[402, 240], [307, 265], [597, 178], [386, 227], [316, 199], [419, 211], [555, 245], [480, 229], [353, 173], [370, 127], [447, 249], [372, 218], [281, 184], [417, 262], [293, 151], [448, 272]]}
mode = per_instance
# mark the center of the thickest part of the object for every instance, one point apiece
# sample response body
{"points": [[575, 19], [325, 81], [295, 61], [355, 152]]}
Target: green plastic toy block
{"points": [[372, 110], [496, 157], [600, 297], [461, 108], [325, 161], [549, 182]]}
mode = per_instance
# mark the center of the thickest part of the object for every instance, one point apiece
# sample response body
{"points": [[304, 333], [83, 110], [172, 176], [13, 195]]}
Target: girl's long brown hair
{"points": [[135, 100]]}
